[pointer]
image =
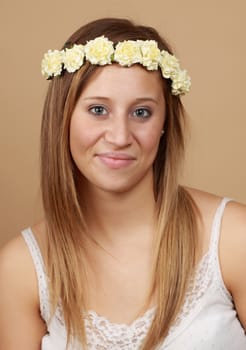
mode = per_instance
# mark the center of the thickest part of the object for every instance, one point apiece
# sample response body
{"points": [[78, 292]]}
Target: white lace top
{"points": [[208, 319]]}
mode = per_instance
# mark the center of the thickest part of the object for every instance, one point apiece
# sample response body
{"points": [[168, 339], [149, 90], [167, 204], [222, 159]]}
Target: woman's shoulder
{"points": [[233, 222], [16, 262], [205, 201], [15, 265], [19, 297], [18, 287], [234, 213], [232, 245], [14, 256], [206, 204]]}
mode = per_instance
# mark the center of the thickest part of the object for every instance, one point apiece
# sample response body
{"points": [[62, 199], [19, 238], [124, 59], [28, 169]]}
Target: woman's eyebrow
{"points": [[147, 98], [96, 98], [138, 99]]}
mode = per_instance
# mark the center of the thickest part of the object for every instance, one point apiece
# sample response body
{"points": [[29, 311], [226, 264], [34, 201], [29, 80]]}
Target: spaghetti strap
{"points": [[216, 226], [40, 272], [214, 248]]}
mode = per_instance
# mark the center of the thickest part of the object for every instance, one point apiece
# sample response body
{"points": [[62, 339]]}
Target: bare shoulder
{"points": [[15, 260], [19, 301], [207, 204], [233, 228], [233, 234], [205, 201], [15, 265], [233, 255], [232, 245], [235, 217], [15, 256]]}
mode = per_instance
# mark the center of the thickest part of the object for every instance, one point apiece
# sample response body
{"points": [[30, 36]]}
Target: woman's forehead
{"points": [[115, 79]]}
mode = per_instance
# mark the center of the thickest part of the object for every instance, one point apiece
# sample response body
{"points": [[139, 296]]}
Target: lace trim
{"points": [[104, 335], [108, 335]]}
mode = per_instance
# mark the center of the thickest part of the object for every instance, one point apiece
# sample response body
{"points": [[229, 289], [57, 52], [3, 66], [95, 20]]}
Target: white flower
{"points": [[150, 54], [73, 58], [52, 63], [99, 51], [169, 64], [181, 82], [127, 53]]}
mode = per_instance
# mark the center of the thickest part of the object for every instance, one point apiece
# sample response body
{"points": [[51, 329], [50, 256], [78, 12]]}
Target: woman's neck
{"points": [[119, 216]]}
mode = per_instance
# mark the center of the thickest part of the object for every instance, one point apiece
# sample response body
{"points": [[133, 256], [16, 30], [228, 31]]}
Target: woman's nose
{"points": [[118, 132]]}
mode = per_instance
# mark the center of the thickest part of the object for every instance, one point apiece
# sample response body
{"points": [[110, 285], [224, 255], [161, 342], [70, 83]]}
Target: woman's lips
{"points": [[116, 160]]}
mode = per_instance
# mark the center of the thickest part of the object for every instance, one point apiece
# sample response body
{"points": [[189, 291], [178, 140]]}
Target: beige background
{"points": [[207, 36]]}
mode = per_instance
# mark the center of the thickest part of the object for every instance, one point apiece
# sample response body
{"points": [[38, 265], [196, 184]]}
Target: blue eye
{"points": [[142, 112], [98, 110]]}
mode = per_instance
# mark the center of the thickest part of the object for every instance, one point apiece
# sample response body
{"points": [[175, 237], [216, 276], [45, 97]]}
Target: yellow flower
{"points": [[169, 64], [99, 51], [127, 53], [181, 83], [150, 54], [73, 58], [52, 64]]}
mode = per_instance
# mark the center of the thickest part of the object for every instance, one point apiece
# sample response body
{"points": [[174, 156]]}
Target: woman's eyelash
{"points": [[98, 110], [139, 112], [142, 112]]}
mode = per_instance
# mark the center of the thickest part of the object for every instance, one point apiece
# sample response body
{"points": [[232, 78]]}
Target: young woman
{"points": [[125, 257]]}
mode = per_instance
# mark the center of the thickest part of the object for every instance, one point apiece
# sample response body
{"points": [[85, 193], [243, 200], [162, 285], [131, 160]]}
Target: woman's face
{"points": [[116, 127]]}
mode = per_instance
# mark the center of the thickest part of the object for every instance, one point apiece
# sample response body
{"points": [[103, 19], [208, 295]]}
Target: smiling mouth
{"points": [[116, 160]]}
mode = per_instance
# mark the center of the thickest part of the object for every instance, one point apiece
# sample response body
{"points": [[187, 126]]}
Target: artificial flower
{"points": [[52, 64], [127, 53], [181, 83], [99, 51], [150, 54], [169, 64], [73, 58]]}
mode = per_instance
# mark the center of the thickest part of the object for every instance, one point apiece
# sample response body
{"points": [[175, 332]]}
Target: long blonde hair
{"points": [[176, 236]]}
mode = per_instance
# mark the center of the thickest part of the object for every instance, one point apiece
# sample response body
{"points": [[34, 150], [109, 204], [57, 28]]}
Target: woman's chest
{"points": [[119, 292]]}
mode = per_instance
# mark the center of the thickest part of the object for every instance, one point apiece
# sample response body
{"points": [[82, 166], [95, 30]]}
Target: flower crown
{"points": [[101, 51]]}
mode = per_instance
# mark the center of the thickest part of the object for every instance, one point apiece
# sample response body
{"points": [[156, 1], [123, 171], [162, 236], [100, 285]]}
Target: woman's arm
{"points": [[21, 326], [233, 255]]}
